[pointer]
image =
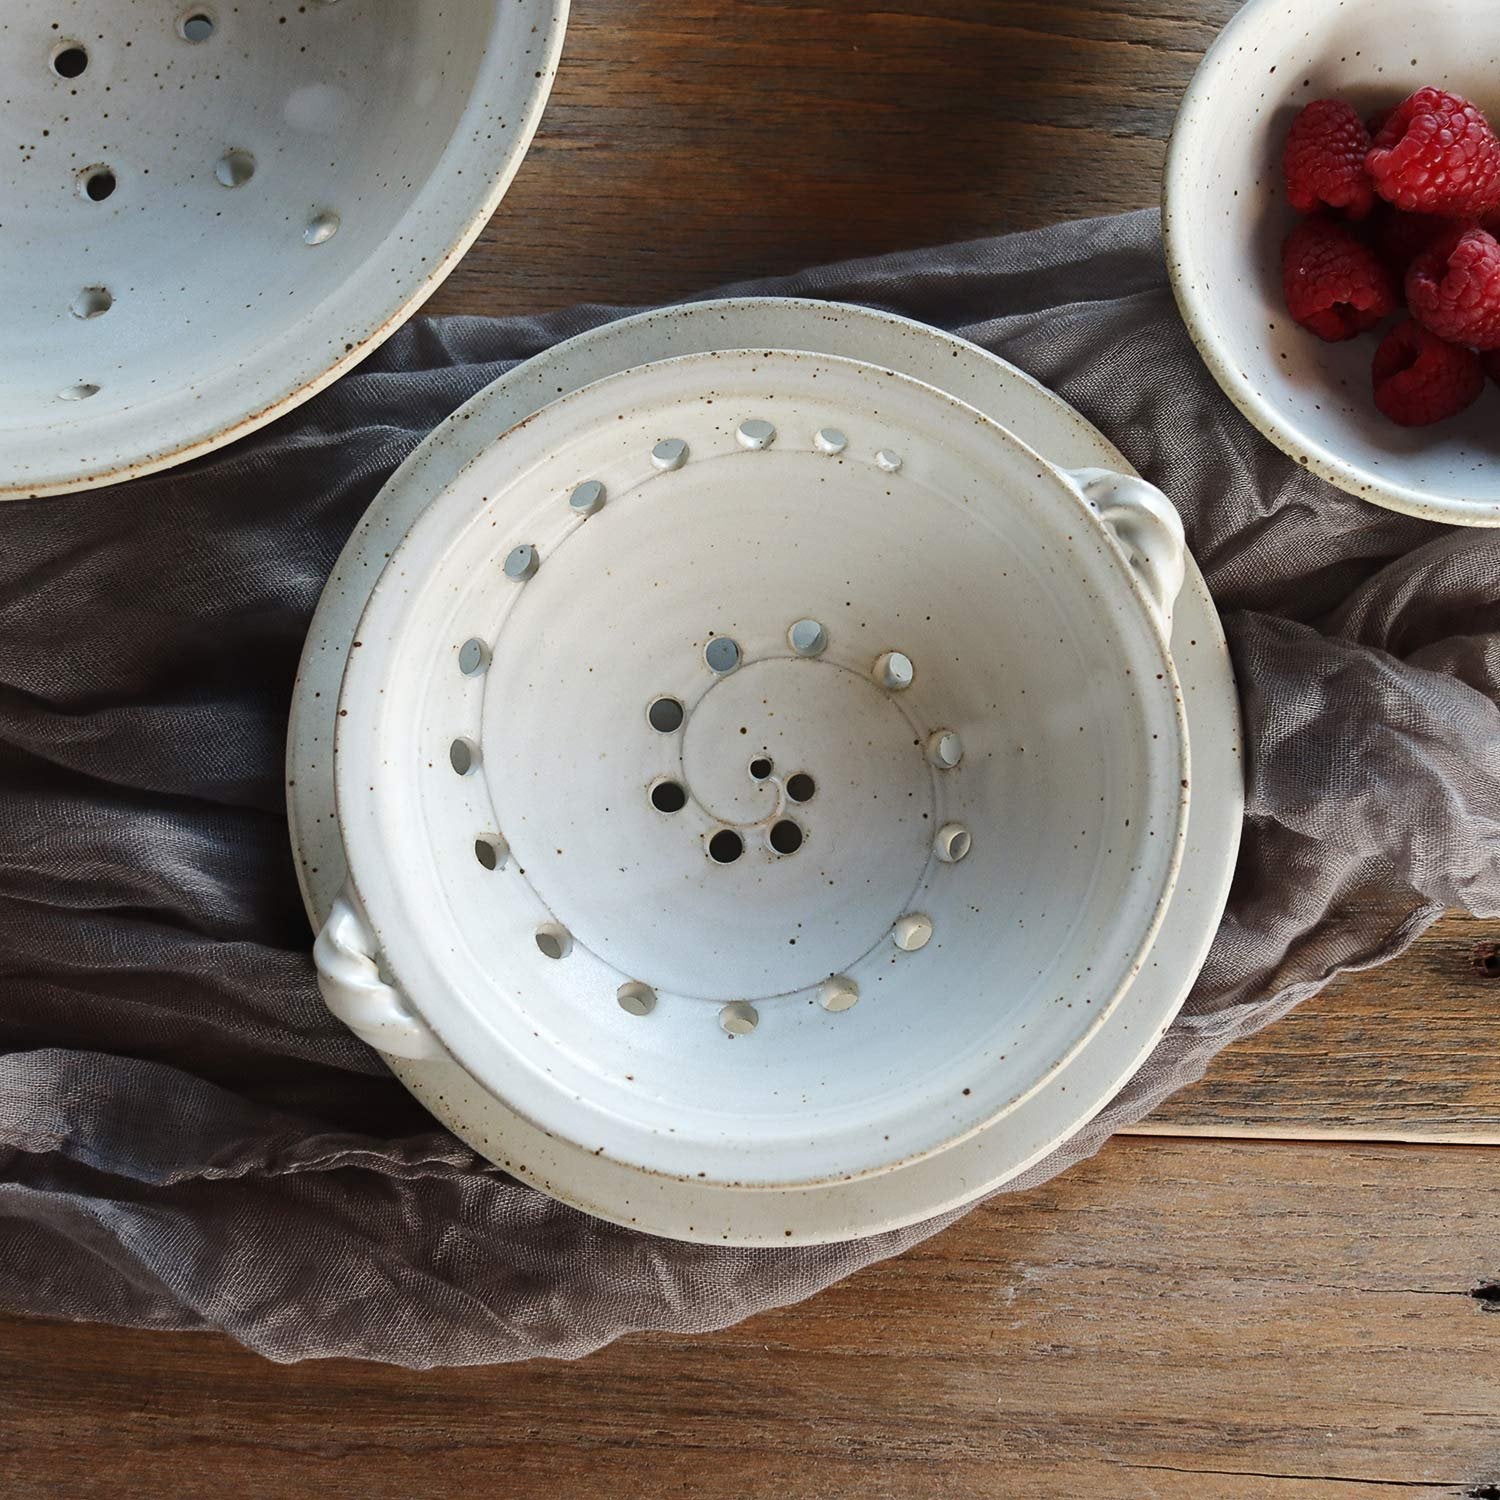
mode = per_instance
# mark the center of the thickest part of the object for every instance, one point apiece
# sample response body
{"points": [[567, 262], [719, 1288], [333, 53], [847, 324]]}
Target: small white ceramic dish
{"points": [[1225, 215], [697, 1209], [215, 209]]}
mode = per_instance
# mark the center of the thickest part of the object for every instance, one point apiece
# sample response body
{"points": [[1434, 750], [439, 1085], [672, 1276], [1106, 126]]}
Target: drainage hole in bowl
{"points": [[96, 183], [725, 847], [668, 797], [196, 26], [92, 301], [491, 851], [665, 715], [553, 941], [70, 59], [800, 787], [760, 768], [235, 168], [463, 755], [786, 837], [321, 227], [80, 392]]}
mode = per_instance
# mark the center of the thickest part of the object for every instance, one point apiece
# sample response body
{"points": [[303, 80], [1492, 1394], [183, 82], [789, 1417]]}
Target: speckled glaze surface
{"points": [[1225, 215], [700, 1209], [212, 210], [500, 764]]}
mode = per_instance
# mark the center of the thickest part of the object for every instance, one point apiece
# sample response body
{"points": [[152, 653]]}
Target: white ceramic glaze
{"points": [[1225, 216], [216, 208], [962, 583], [919, 1188]]}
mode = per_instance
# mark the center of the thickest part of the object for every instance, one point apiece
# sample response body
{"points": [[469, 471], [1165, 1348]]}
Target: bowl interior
{"points": [[1226, 215], [896, 517], [216, 205]]}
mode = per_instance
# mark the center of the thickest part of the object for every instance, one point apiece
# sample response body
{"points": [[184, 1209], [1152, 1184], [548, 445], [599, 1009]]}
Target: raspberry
{"points": [[1436, 154], [1324, 160], [1334, 283], [1402, 237], [1420, 379], [1453, 289]]}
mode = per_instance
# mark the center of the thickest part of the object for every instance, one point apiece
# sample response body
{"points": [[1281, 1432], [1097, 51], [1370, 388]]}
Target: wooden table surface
{"points": [[1287, 1285]]}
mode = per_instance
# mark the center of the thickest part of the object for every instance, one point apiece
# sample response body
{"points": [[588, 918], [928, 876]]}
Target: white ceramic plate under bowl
{"points": [[1225, 215], [703, 1210], [211, 210]]}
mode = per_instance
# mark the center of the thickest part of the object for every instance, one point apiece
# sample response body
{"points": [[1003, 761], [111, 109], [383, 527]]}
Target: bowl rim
{"points": [[460, 154], [494, 1066], [1194, 112]]}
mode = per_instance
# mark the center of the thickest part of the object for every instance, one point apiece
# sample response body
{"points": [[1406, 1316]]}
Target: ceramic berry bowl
{"points": [[216, 208], [1226, 215], [759, 768], [775, 521]]}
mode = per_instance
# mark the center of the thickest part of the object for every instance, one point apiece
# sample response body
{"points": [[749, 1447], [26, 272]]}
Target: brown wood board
{"points": [[1184, 1319]]}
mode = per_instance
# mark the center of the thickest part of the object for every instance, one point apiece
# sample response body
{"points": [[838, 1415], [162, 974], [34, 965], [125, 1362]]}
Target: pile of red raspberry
{"points": [[1403, 208]]}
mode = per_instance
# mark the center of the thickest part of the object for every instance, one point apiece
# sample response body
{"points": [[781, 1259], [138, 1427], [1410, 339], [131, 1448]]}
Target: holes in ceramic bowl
{"points": [[786, 837], [80, 392], [739, 1018], [668, 796], [636, 999], [665, 715], [801, 787], [196, 25], [554, 941], [725, 847], [92, 302], [953, 843], [70, 59], [235, 168], [473, 657], [463, 755], [722, 655], [96, 183], [760, 767], [321, 227], [490, 850]]}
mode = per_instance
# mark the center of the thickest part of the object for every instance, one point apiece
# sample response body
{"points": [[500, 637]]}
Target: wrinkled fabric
{"points": [[187, 1139]]}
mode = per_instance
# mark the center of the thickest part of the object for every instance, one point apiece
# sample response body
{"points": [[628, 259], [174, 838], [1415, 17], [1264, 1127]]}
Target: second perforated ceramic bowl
{"points": [[215, 208], [1225, 215]]}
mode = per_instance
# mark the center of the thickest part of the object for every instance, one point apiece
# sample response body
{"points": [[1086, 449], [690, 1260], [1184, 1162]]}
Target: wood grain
{"points": [[690, 143], [1408, 1052], [1187, 1320]]}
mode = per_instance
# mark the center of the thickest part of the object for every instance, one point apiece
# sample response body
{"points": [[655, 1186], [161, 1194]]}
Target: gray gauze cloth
{"points": [[188, 1140]]}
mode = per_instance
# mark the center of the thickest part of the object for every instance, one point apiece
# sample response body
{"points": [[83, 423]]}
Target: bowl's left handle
{"points": [[1147, 527], [350, 983]]}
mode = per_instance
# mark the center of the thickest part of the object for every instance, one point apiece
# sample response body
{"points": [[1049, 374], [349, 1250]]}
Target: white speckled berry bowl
{"points": [[211, 210], [698, 1209], [1225, 215], [759, 768]]}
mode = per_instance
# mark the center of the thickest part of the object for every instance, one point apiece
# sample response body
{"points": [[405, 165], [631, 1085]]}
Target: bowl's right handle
{"points": [[1146, 526], [350, 983]]}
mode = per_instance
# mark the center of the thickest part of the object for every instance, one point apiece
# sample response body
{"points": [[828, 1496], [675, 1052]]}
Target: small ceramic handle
{"points": [[351, 986], [1147, 527]]}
